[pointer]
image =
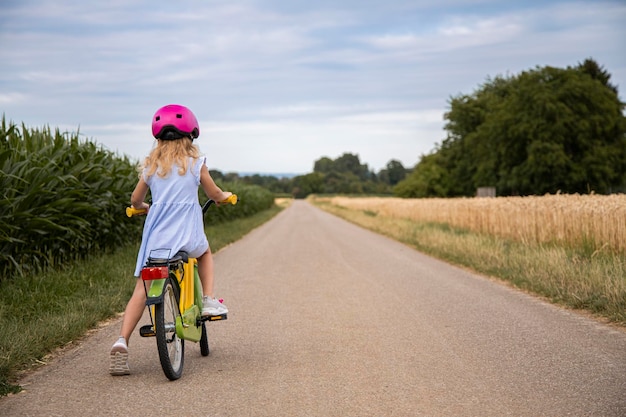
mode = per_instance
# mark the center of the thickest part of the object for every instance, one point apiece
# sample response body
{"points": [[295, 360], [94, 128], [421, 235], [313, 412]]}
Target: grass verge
{"points": [[593, 281], [43, 312]]}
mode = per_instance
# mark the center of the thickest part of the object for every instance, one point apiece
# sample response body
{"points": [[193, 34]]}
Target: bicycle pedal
{"points": [[215, 318], [147, 331]]}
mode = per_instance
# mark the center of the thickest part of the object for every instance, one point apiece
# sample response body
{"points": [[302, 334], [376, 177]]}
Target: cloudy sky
{"points": [[277, 84]]}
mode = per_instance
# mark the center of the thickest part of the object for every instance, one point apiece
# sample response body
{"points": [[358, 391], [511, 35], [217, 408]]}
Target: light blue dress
{"points": [[174, 221]]}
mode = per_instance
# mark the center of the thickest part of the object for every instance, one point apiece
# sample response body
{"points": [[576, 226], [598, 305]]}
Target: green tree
{"points": [[345, 175], [303, 185], [324, 165], [428, 179], [393, 173], [350, 163], [542, 131], [595, 71]]}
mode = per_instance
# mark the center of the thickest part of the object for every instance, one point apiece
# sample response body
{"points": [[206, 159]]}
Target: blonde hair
{"points": [[169, 152]]}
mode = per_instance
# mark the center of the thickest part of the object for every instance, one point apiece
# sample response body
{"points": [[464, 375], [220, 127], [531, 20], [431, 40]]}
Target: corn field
{"points": [[64, 199], [593, 221], [61, 199]]}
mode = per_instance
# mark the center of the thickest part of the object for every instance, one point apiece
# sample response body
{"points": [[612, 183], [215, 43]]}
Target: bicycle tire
{"points": [[204, 341], [171, 348]]}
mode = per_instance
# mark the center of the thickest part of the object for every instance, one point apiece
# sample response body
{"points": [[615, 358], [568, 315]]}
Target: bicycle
{"points": [[174, 299]]}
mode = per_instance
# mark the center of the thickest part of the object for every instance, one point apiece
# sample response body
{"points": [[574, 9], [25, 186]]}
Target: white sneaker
{"points": [[119, 358], [212, 307]]}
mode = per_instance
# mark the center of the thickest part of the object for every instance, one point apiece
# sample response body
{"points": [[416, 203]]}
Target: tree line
{"points": [[343, 175], [545, 130]]}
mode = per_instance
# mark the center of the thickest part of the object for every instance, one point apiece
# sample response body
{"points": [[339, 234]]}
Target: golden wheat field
{"points": [[597, 220]]}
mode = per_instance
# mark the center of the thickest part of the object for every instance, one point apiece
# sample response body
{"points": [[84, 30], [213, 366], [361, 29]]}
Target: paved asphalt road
{"points": [[328, 319]]}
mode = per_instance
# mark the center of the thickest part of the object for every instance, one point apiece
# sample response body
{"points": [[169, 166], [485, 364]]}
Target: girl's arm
{"points": [[139, 195], [211, 189]]}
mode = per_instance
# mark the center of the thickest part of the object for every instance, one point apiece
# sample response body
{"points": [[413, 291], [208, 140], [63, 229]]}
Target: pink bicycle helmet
{"points": [[174, 122]]}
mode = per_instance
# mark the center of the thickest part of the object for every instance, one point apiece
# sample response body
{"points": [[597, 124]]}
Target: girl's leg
{"points": [[205, 271], [210, 306], [132, 315], [134, 310]]}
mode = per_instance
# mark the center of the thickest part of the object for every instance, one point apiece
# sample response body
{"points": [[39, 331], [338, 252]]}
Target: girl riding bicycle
{"points": [[172, 172]]}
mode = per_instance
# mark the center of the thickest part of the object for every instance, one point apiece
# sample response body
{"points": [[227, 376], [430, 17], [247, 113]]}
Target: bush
{"points": [[252, 199]]}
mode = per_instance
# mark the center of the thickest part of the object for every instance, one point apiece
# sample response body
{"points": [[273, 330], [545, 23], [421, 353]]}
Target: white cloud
{"points": [[393, 41], [12, 98]]}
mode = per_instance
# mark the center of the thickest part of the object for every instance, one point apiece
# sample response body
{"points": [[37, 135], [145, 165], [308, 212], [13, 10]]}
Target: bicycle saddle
{"points": [[180, 256]]}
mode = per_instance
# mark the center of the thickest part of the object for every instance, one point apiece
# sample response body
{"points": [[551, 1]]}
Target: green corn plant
{"points": [[61, 199]]}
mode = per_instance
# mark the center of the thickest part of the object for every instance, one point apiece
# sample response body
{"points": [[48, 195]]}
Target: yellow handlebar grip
{"points": [[132, 211], [232, 199]]}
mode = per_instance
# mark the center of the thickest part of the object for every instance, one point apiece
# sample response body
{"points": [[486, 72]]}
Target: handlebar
{"points": [[232, 200], [132, 211]]}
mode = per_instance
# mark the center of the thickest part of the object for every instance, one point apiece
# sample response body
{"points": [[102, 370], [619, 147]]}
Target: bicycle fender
{"points": [[155, 293]]}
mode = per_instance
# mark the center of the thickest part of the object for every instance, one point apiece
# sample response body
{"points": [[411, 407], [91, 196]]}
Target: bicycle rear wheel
{"points": [[171, 348]]}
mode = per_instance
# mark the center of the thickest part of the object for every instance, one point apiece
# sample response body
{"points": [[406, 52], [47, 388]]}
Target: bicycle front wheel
{"points": [[171, 347]]}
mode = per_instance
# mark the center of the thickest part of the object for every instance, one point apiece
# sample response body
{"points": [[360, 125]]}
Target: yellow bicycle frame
{"points": [[186, 284], [190, 300]]}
